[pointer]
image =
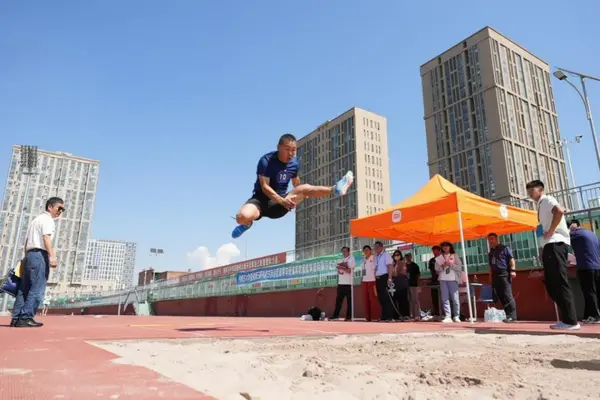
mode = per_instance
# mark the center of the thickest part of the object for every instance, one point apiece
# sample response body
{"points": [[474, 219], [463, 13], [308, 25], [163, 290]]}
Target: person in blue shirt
{"points": [[271, 198], [586, 246], [502, 272]]}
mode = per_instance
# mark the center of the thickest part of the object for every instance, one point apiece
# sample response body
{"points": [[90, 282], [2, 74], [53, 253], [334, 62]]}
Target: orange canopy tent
{"points": [[431, 216], [441, 211]]}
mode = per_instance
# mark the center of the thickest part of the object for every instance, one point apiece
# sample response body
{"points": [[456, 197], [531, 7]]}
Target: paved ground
{"points": [[57, 362]]}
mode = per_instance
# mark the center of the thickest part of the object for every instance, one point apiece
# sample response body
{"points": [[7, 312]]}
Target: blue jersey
{"points": [[280, 174], [499, 257]]}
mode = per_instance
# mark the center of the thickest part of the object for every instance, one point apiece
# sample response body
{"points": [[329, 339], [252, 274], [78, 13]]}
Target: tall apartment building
{"points": [[355, 140], [490, 118], [72, 178], [109, 265]]}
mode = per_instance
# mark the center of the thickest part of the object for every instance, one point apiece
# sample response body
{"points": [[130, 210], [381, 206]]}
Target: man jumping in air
{"points": [[270, 197]]}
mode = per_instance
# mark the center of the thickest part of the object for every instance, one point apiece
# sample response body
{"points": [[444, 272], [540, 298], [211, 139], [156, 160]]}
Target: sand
{"points": [[403, 366]]}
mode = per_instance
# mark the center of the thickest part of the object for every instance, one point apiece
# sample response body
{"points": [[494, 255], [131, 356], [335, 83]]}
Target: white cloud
{"points": [[202, 258]]}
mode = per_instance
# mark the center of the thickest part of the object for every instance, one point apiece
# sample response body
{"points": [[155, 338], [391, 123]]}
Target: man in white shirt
{"points": [[345, 270], [555, 252], [39, 258]]}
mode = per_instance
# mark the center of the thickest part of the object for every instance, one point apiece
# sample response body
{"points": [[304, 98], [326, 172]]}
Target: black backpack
{"points": [[315, 313]]}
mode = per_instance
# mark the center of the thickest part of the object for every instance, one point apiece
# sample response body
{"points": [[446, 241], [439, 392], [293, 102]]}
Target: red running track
{"points": [[57, 362]]}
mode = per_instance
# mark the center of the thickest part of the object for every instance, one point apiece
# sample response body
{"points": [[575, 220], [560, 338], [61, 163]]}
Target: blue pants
{"points": [[30, 293], [450, 298]]}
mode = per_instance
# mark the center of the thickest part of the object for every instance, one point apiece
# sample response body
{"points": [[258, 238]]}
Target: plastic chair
{"points": [[487, 295]]}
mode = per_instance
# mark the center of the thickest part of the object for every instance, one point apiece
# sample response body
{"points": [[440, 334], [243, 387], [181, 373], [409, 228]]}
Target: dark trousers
{"points": [[502, 285], [435, 301], [34, 275], [589, 280], [400, 298], [554, 258], [343, 292], [387, 313]]}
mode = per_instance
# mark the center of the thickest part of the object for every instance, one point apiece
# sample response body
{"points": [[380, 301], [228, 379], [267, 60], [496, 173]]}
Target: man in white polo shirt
{"points": [[39, 258], [555, 252], [345, 281]]}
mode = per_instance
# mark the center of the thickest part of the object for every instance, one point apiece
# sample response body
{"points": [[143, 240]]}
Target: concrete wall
{"points": [[530, 295]]}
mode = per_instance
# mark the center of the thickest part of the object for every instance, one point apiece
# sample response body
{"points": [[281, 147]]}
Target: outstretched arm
{"points": [[268, 190], [261, 171]]}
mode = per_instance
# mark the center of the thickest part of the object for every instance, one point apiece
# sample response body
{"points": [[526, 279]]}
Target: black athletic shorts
{"points": [[267, 207]]}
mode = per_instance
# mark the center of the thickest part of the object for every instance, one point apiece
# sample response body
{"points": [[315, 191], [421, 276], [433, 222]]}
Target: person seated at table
{"points": [[449, 268]]}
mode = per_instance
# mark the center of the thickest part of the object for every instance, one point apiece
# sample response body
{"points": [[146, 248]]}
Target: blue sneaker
{"points": [[239, 230], [343, 184]]}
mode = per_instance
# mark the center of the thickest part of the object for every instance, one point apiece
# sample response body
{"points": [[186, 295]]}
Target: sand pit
{"points": [[407, 366]]}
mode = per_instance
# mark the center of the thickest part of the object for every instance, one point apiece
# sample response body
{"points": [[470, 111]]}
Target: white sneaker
{"points": [[447, 320], [591, 320], [565, 327], [456, 319], [341, 187]]}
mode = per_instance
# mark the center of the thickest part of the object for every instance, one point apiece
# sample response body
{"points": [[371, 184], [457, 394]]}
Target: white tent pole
{"points": [[537, 249], [353, 276], [538, 262], [464, 252]]}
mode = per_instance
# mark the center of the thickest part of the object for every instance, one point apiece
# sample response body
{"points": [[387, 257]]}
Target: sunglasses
{"points": [[61, 209]]}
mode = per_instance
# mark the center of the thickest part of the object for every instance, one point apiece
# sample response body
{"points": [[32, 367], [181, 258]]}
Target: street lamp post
{"points": [[564, 143], [560, 74], [154, 252], [28, 164]]}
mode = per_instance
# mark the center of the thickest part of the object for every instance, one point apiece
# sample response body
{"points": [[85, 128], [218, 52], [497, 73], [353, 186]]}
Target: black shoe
{"points": [[509, 320], [13, 322], [28, 323]]}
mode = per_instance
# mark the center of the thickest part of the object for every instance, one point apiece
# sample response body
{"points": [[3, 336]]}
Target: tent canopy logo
{"points": [[396, 216]]}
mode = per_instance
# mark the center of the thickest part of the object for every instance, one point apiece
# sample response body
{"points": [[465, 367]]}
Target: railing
{"points": [[575, 199], [312, 271], [301, 274]]}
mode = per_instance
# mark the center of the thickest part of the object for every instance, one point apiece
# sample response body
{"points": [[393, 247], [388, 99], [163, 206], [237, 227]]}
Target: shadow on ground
{"points": [[500, 331], [589, 365]]}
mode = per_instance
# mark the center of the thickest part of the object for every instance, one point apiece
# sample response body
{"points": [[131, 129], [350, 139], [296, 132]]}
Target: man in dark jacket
{"points": [[586, 246]]}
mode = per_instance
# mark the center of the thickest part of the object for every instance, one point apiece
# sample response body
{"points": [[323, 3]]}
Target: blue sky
{"points": [[178, 100]]}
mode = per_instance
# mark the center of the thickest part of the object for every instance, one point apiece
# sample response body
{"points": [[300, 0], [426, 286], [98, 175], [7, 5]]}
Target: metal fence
{"points": [[316, 272], [316, 267], [579, 198]]}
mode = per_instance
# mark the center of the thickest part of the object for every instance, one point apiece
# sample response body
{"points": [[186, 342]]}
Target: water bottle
{"points": [[501, 315], [494, 315], [487, 315]]}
